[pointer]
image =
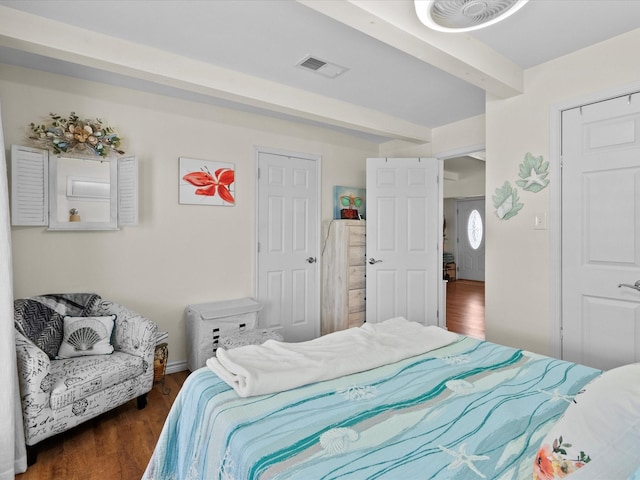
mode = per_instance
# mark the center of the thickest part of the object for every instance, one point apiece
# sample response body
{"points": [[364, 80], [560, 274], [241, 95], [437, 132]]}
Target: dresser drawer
{"points": [[356, 277], [356, 256], [357, 235], [356, 300], [356, 319]]}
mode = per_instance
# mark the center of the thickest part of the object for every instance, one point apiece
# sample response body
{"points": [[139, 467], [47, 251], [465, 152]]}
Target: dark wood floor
{"points": [[118, 444], [465, 308]]}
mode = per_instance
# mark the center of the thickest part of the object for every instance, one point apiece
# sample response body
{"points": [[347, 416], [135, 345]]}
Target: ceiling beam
{"points": [[38, 35], [453, 176], [395, 23]]}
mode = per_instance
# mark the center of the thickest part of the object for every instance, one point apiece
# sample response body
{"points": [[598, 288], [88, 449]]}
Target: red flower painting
{"points": [[217, 183], [208, 185]]}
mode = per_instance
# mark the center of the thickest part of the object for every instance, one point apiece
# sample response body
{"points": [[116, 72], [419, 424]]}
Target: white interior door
{"points": [[288, 239], [470, 239], [404, 266], [601, 233]]}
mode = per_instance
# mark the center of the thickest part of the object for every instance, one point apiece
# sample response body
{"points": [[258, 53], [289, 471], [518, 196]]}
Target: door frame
{"points": [[441, 157], [555, 201], [256, 221]]}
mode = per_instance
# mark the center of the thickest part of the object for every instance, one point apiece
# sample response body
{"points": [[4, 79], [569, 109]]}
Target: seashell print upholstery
{"points": [[58, 394]]}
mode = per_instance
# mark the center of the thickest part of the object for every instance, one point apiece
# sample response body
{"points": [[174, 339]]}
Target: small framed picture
{"points": [[206, 182], [349, 203]]}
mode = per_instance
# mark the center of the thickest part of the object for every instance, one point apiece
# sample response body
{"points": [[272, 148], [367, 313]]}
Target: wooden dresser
{"points": [[343, 275]]}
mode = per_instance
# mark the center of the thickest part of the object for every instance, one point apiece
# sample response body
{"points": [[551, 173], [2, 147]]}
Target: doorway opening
{"points": [[464, 241]]}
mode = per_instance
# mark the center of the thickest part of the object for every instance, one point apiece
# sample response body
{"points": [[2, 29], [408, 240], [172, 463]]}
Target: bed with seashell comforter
{"points": [[462, 409]]}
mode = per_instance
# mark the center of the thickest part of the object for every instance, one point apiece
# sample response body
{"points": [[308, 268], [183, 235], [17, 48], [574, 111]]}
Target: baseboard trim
{"points": [[177, 366]]}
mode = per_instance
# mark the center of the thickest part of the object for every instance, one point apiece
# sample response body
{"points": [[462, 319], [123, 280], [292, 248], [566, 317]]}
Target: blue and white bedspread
{"points": [[469, 410]]}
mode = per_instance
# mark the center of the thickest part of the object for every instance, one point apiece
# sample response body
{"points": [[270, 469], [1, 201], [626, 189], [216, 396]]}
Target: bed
{"points": [[462, 409]]}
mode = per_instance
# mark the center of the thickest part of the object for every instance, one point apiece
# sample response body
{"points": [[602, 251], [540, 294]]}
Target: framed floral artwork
{"points": [[205, 182], [349, 203]]}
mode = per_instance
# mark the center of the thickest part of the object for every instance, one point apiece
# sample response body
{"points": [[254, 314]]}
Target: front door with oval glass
{"points": [[470, 238]]}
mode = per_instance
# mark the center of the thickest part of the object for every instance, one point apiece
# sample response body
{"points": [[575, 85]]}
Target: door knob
{"points": [[635, 286], [311, 260], [373, 260]]}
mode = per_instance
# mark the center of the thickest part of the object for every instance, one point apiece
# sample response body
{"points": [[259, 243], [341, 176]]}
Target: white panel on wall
{"points": [[276, 233], [385, 293], [606, 213], [417, 227], [386, 177], [275, 290], [601, 316], [387, 236], [128, 191], [276, 176], [416, 298], [29, 186], [300, 178], [300, 287], [416, 177], [300, 215], [611, 133]]}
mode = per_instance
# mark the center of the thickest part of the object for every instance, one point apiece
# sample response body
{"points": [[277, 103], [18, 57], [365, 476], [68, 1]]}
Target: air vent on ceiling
{"points": [[464, 15], [326, 69]]}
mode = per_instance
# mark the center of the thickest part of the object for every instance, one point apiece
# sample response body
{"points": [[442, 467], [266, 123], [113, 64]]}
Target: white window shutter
{"points": [[29, 186], [128, 191]]}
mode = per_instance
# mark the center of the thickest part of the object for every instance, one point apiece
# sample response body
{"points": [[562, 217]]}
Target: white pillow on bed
{"points": [[599, 435]]}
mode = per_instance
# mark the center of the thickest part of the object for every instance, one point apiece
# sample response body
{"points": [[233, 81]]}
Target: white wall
{"points": [[465, 134], [462, 137], [517, 256], [469, 184], [179, 254]]}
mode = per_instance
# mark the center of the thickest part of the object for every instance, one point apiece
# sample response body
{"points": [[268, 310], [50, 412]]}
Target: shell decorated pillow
{"points": [[86, 336]]}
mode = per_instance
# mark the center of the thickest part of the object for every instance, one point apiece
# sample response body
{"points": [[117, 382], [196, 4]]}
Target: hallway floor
{"points": [[465, 308]]}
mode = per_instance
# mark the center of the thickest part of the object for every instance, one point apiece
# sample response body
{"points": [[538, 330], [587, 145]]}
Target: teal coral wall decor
{"points": [[533, 173], [506, 201]]}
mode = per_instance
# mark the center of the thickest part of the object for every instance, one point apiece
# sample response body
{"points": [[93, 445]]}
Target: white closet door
{"points": [[404, 269], [288, 241], [601, 233]]}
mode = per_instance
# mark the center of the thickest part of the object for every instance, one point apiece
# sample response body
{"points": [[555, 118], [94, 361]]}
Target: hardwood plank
{"points": [[77, 450], [117, 445], [465, 308]]}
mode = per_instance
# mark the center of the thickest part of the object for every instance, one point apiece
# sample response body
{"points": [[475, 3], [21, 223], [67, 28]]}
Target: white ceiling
{"points": [[403, 80]]}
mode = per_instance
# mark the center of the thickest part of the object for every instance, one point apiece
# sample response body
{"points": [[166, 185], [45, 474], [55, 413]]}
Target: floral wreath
{"points": [[75, 135]]}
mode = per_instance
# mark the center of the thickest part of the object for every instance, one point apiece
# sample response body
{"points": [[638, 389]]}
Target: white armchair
{"points": [[58, 394]]}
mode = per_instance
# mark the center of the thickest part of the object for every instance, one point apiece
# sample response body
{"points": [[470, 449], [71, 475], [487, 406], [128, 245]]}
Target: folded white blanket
{"points": [[277, 366]]}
